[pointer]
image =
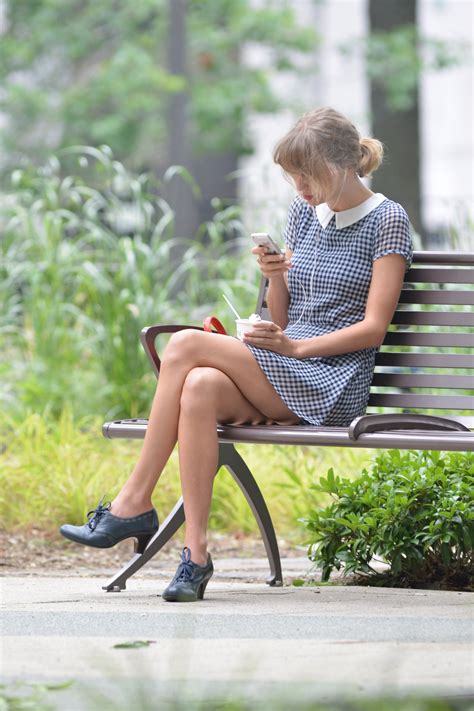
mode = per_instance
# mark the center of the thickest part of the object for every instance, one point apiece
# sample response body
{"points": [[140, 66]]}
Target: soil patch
{"points": [[38, 553]]}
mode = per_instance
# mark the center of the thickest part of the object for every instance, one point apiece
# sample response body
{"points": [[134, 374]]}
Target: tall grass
{"points": [[86, 266], [52, 472]]}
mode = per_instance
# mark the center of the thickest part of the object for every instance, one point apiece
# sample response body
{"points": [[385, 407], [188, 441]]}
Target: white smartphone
{"points": [[262, 239]]}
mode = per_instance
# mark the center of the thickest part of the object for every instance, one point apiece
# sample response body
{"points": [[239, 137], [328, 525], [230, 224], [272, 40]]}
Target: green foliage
{"points": [[26, 696], [136, 644], [223, 90], [96, 72], [21, 695], [54, 471], [299, 466], [88, 259], [396, 58], [414, 510]]}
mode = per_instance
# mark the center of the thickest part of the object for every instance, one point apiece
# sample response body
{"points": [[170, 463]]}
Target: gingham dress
{"points": [[328, 284]]}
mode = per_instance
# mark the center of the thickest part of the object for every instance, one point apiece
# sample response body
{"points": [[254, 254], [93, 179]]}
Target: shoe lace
{"points": [[96, 514], [185, 571]]}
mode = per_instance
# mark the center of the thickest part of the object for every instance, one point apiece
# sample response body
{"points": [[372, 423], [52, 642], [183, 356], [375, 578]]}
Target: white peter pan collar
{"points": [[344, 218]]}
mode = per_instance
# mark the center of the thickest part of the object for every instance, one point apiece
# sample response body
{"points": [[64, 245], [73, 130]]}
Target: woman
{"points": [[331, 296]]}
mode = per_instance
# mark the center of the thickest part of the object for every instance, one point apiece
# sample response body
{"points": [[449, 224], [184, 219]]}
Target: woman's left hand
{"points": [[268, 335]]}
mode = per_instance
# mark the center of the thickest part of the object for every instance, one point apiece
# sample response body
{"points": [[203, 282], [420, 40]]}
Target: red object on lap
{"points": [[211, 322]]}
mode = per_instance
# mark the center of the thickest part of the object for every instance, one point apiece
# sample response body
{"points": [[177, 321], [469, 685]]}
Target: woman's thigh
{"points": [[212, 386], [200, 349]]}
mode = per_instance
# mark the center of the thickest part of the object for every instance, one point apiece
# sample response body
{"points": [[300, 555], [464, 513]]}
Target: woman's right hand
{"points": [[271, 265]]}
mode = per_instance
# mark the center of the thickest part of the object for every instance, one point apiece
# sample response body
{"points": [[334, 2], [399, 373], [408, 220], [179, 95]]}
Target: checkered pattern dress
{"points": [[328, 285]]}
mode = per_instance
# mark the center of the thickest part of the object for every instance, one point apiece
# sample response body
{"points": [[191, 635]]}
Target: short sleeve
{"points": [[393, 233], [291, 230]]}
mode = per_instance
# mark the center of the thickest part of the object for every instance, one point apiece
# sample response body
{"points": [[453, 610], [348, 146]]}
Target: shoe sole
{"points": [[141, 541]]}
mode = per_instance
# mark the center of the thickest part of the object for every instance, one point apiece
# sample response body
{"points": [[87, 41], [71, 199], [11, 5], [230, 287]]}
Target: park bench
{"points": [[428, 348]]}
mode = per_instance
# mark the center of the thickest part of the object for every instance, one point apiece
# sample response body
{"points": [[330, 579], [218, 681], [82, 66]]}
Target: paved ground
{"points": [[244, 638]]}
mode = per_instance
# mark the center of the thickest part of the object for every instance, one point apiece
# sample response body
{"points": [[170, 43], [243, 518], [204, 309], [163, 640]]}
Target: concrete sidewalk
{"points": [[319, 642]]}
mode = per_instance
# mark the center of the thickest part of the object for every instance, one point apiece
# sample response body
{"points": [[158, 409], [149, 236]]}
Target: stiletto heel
{"points": [[190, 581], [141, 542], [202, 589]]}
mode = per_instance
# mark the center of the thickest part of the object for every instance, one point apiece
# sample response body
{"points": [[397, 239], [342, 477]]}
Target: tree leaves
{"points": [[97, 72]]}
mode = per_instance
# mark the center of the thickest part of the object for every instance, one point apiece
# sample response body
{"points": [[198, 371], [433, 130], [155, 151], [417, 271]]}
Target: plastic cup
{"points": [[242, 325]]}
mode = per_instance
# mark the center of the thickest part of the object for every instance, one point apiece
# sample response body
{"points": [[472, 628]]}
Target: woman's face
{"points": [[306, 188], [315, 193], [310, 190]]}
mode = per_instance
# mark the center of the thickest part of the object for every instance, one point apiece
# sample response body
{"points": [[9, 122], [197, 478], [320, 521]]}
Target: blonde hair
{"points": [[323, 142]]}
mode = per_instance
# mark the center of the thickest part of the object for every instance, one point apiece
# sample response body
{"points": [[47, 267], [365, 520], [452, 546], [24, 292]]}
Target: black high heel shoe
{"points": [[104, 530], [190, 580]]}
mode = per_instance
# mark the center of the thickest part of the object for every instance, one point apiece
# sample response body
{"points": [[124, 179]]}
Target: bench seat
{"points": [[309, 435]]}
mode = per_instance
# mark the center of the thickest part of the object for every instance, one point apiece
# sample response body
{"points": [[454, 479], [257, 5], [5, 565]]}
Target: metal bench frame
{"points": [[399, 370]]}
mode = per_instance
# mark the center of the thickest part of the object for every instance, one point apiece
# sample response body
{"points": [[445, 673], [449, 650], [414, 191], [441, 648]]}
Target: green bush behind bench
{"points": [[413, 510]]}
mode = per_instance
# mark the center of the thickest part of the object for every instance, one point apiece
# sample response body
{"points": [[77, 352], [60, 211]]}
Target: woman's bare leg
{"points": [[160, 439], [209, 396], [187, 350]]}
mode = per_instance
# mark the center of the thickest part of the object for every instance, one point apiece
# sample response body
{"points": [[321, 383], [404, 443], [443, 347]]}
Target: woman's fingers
{"points": [[263, 336], [270, 267], [263, 330], [270, 336], [265, 326], [271, 264]]}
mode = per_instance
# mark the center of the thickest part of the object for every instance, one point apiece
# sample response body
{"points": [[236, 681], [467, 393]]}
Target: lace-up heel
{"points": [[190, 580], [104, 530], [141, 543], [202, 590]]}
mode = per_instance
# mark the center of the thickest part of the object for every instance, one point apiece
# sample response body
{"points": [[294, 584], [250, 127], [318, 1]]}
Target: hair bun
{"points": [[371, 156]]}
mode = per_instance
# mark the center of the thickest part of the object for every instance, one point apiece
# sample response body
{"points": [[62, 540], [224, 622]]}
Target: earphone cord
{"points": [[306, 299]]}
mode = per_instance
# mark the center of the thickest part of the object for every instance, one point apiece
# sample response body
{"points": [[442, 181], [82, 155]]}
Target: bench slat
{"points": [[417, 338], [435, 402], [416, 380], [438, 296], [440, 276], [445, 258], [435, 318], [425, 360]]}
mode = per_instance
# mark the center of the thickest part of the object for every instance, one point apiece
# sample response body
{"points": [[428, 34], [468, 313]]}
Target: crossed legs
{"points": [[204, 379]]}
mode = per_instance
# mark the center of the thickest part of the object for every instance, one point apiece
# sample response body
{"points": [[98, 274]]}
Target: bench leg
{"points": [[231, 459], [167, 529]]}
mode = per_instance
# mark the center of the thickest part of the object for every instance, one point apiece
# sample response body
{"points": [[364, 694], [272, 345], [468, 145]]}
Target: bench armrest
{"points": [[148, 336], [404, 421]]}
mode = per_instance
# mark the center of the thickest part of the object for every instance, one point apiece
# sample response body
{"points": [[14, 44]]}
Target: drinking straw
{"points": [[234, 310]]}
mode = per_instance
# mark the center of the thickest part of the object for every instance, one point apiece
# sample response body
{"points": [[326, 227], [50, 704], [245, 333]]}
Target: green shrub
{"points": [[88, 257], [413, 510]]}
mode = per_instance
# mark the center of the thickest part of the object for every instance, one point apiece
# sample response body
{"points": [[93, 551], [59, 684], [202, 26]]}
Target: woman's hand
{"points": [[271, 265], [268, 335]]}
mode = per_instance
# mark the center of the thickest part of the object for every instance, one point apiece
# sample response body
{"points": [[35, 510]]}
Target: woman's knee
{"points": [[201, 390], [182, 347]]}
